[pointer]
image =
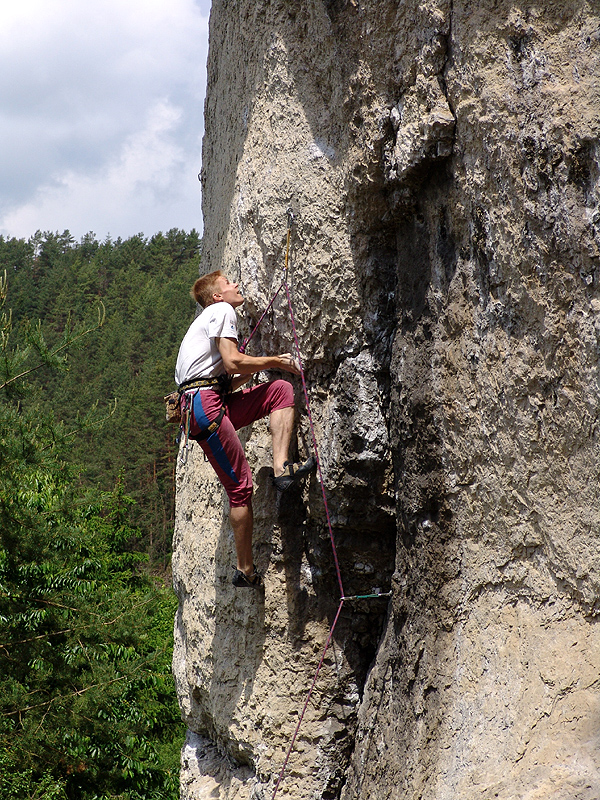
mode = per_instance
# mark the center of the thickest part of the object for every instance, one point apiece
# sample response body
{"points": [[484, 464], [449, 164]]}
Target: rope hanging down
{"points": [[343, 598]]}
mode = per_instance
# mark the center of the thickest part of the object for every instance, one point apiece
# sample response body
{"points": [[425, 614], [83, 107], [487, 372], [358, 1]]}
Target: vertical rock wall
{"points": [[442, 161]]}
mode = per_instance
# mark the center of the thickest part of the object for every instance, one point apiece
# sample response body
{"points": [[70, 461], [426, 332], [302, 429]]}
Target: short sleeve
{"points": [[222, 322]]}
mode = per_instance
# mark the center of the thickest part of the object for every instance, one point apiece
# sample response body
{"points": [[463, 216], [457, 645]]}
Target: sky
{"points": [[101, 116]]}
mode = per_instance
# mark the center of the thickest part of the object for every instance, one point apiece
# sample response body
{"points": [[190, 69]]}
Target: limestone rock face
{"points": [[442, 161]]}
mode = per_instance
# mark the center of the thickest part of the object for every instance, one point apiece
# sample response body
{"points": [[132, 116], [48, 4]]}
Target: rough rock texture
{"points": [[442, 159]]}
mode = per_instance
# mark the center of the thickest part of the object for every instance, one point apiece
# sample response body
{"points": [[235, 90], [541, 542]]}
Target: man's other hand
{"points": [[289, 363]]}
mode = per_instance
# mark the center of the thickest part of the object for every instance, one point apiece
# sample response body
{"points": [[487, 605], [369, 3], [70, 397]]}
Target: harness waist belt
{"points": [[204, 383]]}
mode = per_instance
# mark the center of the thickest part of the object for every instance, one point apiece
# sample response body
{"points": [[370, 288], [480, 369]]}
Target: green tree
{"points": [[144, 285], [88, 708]]}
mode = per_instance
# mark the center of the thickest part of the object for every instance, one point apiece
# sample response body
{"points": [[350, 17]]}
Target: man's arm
{"points": [[237, 363]]}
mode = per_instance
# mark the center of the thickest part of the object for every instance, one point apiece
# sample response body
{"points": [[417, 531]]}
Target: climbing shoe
{"points": [[292, 473], [241, 581]]}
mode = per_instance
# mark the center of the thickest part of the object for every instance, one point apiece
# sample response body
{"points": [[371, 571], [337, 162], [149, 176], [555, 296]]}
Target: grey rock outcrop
{"points": [[443, 163]]}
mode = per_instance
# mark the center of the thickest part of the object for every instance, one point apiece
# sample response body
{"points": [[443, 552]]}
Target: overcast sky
{"points": [[101, 115]]}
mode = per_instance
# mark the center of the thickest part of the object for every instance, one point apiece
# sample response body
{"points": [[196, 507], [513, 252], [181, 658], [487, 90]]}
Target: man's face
{"points": [[228, 292]]}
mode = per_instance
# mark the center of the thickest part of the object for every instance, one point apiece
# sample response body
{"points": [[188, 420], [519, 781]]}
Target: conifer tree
{"points": [[143, 285], [87, 708]]}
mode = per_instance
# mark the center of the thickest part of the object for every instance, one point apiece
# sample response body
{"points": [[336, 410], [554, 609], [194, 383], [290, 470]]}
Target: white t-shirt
{"points": [[198, 355]]}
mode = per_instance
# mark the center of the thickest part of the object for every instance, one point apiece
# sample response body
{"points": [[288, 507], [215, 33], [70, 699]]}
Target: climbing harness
{"points": [[186, 393], [343, 597]]}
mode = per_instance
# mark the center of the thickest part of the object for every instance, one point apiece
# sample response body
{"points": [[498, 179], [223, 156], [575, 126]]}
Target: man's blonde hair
{"points": [[204, 288]]}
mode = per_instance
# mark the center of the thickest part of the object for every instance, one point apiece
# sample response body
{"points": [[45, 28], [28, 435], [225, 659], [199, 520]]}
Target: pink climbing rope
{"points": [[290, 217], [285, 285], [314, 441], [343, 598], [306, 702], [262, 316]]}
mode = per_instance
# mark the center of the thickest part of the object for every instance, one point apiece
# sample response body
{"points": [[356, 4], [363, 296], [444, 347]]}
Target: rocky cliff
{"points": [[442, 160]]}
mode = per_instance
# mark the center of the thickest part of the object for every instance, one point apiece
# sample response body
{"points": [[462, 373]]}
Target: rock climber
{"points": [[209, 369]]}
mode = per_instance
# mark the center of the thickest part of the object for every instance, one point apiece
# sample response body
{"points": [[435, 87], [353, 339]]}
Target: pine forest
{"points": [[89, 336]]}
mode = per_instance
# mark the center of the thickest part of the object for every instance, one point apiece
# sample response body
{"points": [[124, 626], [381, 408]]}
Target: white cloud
{"points": [[145, 189], [101, 115]]}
